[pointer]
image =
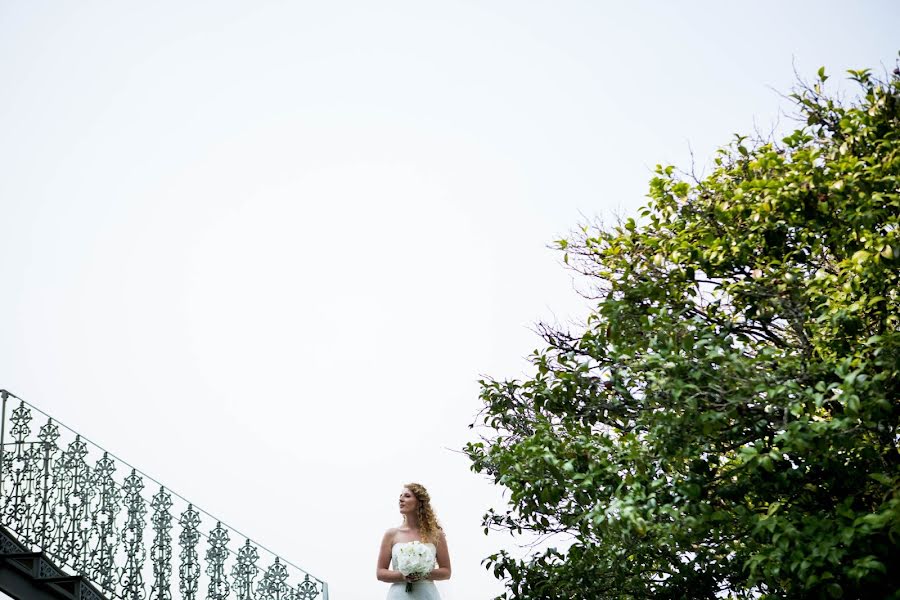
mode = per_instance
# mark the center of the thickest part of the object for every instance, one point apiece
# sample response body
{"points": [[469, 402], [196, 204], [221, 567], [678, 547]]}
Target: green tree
{"points": [[725, 422]]}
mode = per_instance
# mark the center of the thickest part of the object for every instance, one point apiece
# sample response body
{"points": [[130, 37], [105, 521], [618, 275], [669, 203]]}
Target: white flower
{"points": [[414, 558]]}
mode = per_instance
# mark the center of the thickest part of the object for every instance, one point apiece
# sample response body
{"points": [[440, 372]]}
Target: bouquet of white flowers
{"points": [[414, 558]]}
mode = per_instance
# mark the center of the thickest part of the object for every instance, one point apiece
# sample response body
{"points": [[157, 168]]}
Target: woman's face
{"points": [[408, 502]]}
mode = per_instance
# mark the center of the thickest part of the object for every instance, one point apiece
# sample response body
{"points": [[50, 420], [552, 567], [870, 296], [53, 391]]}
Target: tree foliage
{"points": [[725, 422]]}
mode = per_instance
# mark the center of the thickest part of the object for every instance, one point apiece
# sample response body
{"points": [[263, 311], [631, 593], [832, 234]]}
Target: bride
{"points": [[419, 525]]}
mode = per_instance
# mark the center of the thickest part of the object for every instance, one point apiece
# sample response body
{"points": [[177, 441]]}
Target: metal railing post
{"points": [[5, 395], [45, 498]]}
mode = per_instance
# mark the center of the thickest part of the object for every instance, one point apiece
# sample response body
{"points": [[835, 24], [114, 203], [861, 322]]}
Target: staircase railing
{"points": [[130, 536]]}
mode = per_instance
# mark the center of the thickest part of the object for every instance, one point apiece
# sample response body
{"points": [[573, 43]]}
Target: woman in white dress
{"points": [[419, 525]]}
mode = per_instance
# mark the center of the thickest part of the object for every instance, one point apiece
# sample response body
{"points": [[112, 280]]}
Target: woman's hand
{"points": [[414, 577]]}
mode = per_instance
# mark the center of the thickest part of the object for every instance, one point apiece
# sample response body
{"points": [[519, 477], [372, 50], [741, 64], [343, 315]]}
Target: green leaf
{"points": [[882, 478], [729, 397]]}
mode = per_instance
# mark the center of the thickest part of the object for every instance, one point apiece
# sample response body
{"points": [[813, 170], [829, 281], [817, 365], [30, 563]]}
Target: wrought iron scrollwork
{"points": [[308, 590], [215, 563], [20, 419], [244, 571], [90, 516], [131, 578], [106, 509], [189, 572], [88, 594], [75, 506], [161, 551], [7, 546], [273, 585], [17, 472], [44, 522]]}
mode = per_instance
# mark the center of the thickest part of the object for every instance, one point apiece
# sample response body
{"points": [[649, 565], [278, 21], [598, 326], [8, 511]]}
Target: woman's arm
{"points": [[383, 572], [443, 561]]}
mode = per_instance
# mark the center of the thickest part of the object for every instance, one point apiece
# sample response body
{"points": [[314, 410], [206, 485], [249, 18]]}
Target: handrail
{"points": [[73, 511]]}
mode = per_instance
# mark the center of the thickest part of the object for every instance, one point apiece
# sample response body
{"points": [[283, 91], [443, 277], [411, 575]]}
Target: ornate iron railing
{"points": [[122, 530]]}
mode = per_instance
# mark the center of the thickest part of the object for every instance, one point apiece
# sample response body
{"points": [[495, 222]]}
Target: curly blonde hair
{"points": [[429, 528]]}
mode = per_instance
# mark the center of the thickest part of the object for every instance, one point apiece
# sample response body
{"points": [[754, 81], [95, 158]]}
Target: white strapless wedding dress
{"points": [[421, 590]]}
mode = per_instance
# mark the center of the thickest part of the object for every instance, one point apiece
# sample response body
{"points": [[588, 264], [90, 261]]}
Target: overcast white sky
{"points": [[264, 250]]}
